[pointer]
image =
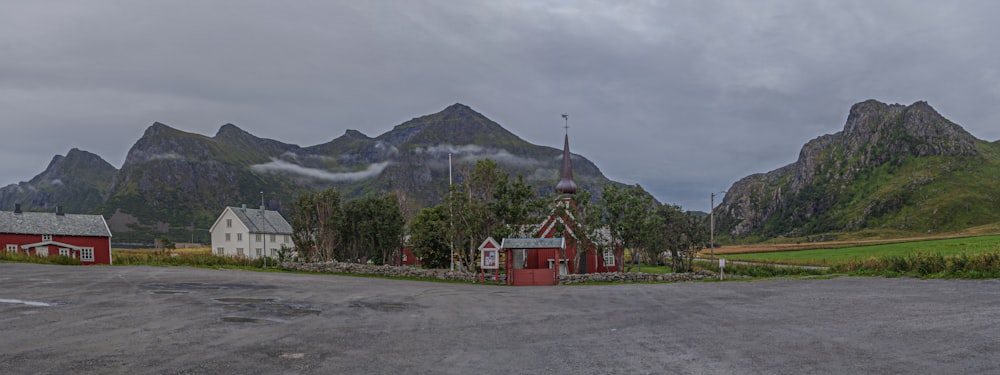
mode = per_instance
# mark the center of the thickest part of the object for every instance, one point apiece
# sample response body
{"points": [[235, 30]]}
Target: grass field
{"points": [[840, 255]]}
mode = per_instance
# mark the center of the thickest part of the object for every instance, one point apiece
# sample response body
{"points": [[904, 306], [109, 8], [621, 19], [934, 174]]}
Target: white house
{"points": [[250, 233]]}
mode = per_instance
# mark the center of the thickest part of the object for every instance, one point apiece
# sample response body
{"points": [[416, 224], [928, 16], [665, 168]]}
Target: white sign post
{"points": [[722, 268]]}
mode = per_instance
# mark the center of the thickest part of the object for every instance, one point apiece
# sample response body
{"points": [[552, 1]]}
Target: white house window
{"points": [[220, 251], [87, 254], [272, 238], [229, 223], [239, 236], [286, 238], [46, 237], [258, 237], [11, 248], [239, 251], [274, 253], [64, 251], [609, 257], [260, 251], [227, 237]]}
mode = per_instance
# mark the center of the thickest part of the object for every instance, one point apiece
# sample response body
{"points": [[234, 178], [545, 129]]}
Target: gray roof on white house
{"points": [[50, 223], [270, 223]]}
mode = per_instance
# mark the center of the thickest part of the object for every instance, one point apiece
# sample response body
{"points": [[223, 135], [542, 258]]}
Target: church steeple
{"points": [[566, 184]]}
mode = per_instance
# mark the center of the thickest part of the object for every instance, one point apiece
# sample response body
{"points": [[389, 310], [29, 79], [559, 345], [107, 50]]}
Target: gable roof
{"points": [[271, 222], [50, 223]]}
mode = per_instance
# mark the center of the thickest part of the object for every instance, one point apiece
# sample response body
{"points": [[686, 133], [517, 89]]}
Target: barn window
{"points": [[11, 248], [87, 254], [46, 237], [609, 257], [64, 251], [220, 251]]}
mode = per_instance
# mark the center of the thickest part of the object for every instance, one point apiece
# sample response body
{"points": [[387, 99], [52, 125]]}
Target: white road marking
{"points": [[29, 303]]}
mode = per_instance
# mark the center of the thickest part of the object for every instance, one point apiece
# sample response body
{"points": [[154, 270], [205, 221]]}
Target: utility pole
{"points": [[451, 216], [711, 225], [263, 234]]}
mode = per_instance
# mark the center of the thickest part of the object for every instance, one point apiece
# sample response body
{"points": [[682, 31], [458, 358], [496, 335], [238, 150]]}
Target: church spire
{"points": [[566, 184]]}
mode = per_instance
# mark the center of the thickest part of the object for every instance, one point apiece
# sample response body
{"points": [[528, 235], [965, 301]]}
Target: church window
{"points": [[609, 257]]}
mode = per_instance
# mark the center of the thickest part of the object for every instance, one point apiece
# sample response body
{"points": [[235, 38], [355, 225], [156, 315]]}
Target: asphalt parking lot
{"points": [[103, 319]]}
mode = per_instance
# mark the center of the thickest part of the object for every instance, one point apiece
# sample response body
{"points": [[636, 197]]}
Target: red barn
{"points": [[84, 237]]}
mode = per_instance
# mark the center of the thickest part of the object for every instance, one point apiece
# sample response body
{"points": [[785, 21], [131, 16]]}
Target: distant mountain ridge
{"points": [[79, 181], [892, 167], [175, 183]]}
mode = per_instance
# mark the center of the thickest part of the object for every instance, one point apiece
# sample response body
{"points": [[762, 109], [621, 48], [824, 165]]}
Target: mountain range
{"points": [[174, 183], [893, 168], [904, 169]]}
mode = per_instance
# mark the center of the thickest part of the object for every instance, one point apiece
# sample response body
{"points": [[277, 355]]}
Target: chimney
{"points": [[59, 211], [244, 208], [17, 208]]}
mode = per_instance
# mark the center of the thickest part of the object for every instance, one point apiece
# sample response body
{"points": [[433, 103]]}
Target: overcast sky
{"points": [[682, 97]]}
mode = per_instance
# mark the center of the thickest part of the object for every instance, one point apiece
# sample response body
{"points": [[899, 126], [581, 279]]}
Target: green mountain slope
{"points": [[175, 183], [893, 167]]}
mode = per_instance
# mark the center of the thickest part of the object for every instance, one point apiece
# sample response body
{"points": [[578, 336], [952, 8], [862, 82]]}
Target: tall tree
{"points": [[487, 203], [316, 221], [626, 213], [429, 237]]}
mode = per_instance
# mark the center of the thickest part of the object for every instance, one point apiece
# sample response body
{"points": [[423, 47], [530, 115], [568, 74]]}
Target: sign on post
{"points": [[489, 259], [722, 268]]}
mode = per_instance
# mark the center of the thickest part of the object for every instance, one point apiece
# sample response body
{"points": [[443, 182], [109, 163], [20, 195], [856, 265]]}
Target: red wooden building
{"points": [[84, 237], [406, 258], [535, 262]]}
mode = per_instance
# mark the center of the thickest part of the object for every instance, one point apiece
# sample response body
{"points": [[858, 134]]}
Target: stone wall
{"points": [[444, 274]]}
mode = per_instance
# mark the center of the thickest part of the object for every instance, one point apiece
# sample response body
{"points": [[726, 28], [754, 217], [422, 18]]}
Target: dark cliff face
{"points": [[833, 171]]}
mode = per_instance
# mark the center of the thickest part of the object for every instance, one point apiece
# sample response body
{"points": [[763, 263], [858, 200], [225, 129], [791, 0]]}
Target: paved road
{"points": [[97, 320]]}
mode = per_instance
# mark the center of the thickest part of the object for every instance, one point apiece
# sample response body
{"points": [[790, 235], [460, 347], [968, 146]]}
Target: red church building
{"points": [[84, 237], [535, 263]]}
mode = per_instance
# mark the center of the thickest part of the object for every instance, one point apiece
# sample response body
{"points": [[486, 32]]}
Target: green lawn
{"points": [[945, 247]]}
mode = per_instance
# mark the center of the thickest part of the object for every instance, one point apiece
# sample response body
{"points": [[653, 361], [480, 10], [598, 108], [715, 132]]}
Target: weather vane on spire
{"points": [[566, 117]]}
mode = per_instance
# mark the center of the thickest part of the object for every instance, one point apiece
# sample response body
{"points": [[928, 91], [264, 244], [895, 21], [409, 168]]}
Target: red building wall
{"points": [[595, 260], [101, 245], [407, 258]]}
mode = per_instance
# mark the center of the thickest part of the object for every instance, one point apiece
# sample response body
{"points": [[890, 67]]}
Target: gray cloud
{"points": [[681, 96], [281, 166]]}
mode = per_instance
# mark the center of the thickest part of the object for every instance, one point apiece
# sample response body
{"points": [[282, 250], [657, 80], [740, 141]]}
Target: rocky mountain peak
{"points": [[158, 128], [354, 134], [830, 168], [459, 109], [893, 131], [230, 130]]}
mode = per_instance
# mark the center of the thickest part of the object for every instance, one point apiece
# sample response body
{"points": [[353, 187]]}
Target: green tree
{"points": [[429, 237], [316, 221], [627, 215], [487, 203]]}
